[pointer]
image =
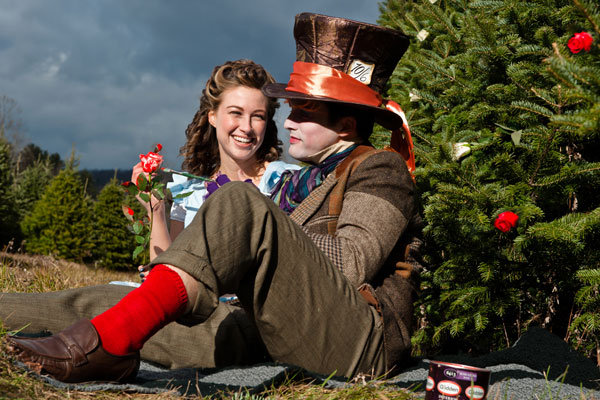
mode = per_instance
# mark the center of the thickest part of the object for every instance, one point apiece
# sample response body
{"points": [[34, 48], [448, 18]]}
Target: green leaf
{"points": [[183, 195], [138, 227], [125, 210], [133, 190], [516, 137], [158, 194], [142, 182], [145, 196], [137, 251], [140, 239]]}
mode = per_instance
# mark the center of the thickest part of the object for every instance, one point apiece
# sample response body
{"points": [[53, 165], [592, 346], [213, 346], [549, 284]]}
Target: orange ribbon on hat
{"points": [[321, 80], [402, 141]]}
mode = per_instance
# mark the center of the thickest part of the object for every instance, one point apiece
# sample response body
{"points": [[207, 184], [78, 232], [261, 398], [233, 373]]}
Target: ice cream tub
{"points": [[448, 381]]}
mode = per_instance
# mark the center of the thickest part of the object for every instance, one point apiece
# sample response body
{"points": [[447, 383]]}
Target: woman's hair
{"points": [[201, 150]]}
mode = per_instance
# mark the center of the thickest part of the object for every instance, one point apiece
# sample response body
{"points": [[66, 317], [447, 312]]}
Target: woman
{"points": [[232, 137]]}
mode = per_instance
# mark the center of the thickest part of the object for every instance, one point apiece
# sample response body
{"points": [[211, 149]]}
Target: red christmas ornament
{"points": [[580, 41], [506, 221]]}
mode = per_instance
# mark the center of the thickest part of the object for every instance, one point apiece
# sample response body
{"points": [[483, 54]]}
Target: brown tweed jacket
{"points": [[375, 238]]}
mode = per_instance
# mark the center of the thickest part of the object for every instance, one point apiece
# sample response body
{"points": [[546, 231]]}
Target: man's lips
{"points": [[294, 139]]}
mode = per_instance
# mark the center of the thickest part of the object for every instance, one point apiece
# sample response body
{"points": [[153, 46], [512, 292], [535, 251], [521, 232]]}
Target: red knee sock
{"points": [[125, 327]]}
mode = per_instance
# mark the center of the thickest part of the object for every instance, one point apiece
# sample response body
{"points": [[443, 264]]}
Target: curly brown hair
{"points": [[201, 150]]}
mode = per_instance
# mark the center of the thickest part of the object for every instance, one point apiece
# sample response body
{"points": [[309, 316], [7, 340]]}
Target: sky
{"points": [[110, 78]]}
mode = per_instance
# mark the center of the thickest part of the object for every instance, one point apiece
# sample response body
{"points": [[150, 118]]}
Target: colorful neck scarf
{"points": [[295, 186]]}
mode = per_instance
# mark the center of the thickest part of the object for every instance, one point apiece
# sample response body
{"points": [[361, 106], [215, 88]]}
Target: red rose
{"points": [[158, 147], [129, 211], [151, 161], [580, 41], [506, 221]]}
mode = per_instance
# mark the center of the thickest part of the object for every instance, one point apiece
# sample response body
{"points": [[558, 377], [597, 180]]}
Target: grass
{"points": [[25, 273]]}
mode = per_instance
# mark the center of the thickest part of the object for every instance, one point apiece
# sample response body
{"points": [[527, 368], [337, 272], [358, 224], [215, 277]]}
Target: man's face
{"points": [[309, 130]]}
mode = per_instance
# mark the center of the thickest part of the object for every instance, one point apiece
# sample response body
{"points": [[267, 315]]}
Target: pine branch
{"points": [[532, 108], [439, 15], [564, 175], [589, 276], [590, 13]]}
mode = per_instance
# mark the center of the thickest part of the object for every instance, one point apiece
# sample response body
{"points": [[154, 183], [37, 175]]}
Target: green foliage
{"points": [[30, 185], [61, 221], [33, 154], [9, 227], [495, 80], [114, 243]]}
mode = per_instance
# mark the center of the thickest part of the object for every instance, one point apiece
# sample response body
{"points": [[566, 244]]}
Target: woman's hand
{"points": [[143, 272], [157, 205]]}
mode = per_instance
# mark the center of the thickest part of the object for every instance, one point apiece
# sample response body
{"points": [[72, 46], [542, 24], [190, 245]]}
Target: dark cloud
{"points": [[111, 78]]}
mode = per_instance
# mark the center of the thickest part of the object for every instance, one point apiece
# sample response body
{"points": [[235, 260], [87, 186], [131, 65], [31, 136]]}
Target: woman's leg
{"points": [[205, 345]]}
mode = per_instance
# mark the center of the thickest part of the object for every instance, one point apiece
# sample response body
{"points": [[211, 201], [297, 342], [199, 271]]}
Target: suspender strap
{"points": [[342, 173]]}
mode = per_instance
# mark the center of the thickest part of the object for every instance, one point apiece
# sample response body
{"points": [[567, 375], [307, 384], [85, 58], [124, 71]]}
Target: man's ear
{"points": [[347, 128], [211, 118]]}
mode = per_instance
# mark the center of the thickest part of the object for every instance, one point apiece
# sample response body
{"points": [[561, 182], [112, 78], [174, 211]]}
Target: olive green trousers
{"points": [[297, 307]]}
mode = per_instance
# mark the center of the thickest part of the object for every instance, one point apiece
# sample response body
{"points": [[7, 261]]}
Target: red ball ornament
{"points": [[580, 41], [506, 221]]}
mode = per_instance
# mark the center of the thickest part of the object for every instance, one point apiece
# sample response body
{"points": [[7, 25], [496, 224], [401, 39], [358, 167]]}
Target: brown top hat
{"points": [[343, 61]]}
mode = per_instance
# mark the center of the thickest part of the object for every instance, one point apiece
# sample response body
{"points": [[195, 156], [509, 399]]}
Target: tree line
{"points": [[47, 207]]}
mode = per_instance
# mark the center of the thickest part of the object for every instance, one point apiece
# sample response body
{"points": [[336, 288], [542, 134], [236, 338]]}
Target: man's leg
{"points": [[306, 311], [205, 345]]}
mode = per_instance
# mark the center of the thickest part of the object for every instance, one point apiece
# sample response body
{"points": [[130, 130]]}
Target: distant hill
{"points": [[101, 177]]}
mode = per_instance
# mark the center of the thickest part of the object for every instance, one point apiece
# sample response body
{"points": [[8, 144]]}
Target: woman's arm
{"points": [[160, 237]]}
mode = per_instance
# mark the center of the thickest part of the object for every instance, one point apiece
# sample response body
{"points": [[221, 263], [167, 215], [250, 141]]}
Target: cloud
{"points": [[113, 77]]}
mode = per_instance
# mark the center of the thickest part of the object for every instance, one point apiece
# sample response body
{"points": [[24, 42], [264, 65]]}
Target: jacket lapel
{"points": [[313, 201]]}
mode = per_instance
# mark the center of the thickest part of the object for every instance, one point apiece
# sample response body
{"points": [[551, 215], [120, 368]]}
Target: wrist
{"points": [[158, 208]]}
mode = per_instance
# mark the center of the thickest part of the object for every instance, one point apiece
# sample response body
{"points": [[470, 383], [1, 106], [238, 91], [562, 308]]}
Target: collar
{"points": [[338, 146]]}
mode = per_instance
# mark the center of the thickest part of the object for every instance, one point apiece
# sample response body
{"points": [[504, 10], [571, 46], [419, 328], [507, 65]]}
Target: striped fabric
{"points": [[295, 186]]}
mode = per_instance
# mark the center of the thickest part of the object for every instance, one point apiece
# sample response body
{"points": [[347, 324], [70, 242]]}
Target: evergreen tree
{"points": [[32, 154], [9, 228], [61, 221], [114, 243], [488, 121], [577, 73], [30, 185]]}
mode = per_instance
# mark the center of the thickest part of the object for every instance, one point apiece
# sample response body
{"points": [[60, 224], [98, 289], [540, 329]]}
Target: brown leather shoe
{"points": [[74, 355]]}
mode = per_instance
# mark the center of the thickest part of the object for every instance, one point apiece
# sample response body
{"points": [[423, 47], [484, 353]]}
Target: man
{"points": [[329, 287]]}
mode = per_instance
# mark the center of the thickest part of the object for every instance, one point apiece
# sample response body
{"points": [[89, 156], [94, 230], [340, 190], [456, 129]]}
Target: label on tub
{"points": [[448, 388], [475, 392], [430, 383]]}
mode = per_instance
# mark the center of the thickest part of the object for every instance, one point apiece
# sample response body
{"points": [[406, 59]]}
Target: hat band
{"points": [[321, 80]]}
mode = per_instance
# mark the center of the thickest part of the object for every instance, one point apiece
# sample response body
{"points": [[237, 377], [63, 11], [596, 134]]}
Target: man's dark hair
{"points": [[364, 119]]}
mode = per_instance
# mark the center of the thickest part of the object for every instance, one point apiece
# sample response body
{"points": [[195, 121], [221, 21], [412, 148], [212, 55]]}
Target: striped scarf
{"points": [[295, 186]]}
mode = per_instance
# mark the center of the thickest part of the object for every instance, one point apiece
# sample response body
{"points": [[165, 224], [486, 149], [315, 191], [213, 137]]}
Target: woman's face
{"points": [[240, 122]]}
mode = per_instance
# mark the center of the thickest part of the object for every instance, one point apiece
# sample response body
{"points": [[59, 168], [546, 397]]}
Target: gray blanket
{"points": [[539, 366]]}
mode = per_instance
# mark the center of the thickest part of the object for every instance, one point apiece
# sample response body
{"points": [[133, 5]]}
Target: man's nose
{"points": [[289, 124]]}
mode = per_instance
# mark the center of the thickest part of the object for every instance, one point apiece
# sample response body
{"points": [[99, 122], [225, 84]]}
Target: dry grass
{"points": [[25, 273]]}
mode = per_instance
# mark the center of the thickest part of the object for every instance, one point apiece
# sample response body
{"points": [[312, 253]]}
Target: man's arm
{"points": [[378, 203]]}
